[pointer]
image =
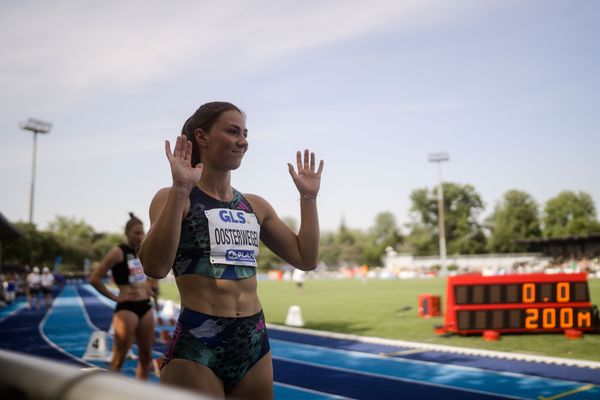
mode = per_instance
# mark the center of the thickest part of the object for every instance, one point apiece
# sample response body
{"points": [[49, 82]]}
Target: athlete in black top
{"points": [[132, 318]]}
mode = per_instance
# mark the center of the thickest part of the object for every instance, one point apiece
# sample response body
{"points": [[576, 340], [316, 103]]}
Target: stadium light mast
{"points": [[439, 158], [36, 126]]}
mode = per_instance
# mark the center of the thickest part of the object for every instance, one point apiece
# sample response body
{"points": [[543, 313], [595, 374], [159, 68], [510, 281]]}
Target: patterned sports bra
{"points": [[218, 238]]}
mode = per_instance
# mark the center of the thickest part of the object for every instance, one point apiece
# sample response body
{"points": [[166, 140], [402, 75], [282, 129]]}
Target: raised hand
{"points": [[180, 159], [306, 179]]}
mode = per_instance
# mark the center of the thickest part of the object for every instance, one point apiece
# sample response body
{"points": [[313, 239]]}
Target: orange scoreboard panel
{"points": [[519, 303]]}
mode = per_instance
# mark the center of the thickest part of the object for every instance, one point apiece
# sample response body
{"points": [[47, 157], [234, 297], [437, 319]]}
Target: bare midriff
{"points": [[134, 292], [219, 297]]}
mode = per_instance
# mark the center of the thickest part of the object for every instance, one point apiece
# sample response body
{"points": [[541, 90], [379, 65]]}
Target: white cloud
{"points": [[77, 45]]}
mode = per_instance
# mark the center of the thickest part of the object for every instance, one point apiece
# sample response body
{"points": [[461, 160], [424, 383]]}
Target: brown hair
{"points": [[204, 118], [133, 220]]}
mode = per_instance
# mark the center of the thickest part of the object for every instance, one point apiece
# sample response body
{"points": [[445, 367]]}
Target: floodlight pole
{"points": [[36, 126], [439, 158]]}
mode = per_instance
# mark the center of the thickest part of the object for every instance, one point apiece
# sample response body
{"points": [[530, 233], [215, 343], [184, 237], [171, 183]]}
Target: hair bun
{"points": [[131, 215]]}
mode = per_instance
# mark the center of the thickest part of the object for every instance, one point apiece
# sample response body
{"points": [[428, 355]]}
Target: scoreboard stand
{"points": [[429, 306], [528, 303]]}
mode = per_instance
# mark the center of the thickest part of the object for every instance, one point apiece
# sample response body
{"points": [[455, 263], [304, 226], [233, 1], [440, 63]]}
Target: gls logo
{"points": [[230, 216], [240, 255]]}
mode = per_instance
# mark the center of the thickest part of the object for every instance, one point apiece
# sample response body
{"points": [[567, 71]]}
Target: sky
{"points": [[509, 89]]}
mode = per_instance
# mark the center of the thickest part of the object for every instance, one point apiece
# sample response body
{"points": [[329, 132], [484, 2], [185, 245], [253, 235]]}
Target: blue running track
{"points": [[313, 366]]}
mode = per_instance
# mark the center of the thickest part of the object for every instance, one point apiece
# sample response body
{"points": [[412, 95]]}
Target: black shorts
{"points": [[138, 307]]}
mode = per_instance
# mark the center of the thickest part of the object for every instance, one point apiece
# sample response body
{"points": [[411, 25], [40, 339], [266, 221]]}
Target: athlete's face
{"points": [[227, 141], [135, 235]]}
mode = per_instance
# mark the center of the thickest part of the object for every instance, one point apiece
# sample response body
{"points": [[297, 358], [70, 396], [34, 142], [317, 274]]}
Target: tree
{"points": [[76, 240], [516, 216], [32, 247], [351, 244], [462, 207], [570, 213], [72, 229], [422, 239], [328, 248], [344, 247], [383, 234], [103, 242], [73, 240]]}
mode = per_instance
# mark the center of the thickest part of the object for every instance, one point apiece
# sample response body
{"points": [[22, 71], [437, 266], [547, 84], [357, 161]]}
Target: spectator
{"points": [[34, 286], [47, 283]]}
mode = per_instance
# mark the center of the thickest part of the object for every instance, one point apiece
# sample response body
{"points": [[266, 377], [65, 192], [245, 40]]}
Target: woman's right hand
{"points": [[183, 173]]}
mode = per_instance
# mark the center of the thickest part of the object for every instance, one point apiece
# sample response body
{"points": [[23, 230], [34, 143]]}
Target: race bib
{"points": [[234, 237], [136, 271]]}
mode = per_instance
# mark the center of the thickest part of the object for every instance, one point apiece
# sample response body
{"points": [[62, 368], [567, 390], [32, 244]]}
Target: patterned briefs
{"points": [[228, 346]]}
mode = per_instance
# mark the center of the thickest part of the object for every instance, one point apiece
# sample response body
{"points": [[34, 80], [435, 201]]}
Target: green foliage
{"points": [[73, 240], [570, 213], [32, 247], [353, 247], [71, 229], [103, 242], [515, 217], [382, 235], [422, 239], [462, 207], [329, 251], [344, 247], [76, 240], [350, 244], [451, 267]]}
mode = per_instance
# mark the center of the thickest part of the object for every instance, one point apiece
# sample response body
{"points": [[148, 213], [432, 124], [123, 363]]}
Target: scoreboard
{"points": [[519, 303]]}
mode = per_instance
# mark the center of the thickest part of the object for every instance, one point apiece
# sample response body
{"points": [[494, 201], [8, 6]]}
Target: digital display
{"points": [[530, 292], [519, 303], [526, 318]]}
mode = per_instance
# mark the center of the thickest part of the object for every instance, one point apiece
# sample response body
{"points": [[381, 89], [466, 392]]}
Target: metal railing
{"points": [[25, 377]]}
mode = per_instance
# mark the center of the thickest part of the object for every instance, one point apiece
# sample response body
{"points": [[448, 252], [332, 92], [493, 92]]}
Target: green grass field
{"points": [[388, 309]]}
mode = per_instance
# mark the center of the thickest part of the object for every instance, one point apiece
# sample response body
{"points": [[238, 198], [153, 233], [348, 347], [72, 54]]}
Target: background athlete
{"points": [[133, 318]]}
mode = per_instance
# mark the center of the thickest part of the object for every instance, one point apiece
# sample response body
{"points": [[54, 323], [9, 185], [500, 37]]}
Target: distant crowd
{"points": [[36, 284]]}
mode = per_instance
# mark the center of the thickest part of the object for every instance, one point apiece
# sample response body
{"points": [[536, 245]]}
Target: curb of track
{"points": [[443, 348]]}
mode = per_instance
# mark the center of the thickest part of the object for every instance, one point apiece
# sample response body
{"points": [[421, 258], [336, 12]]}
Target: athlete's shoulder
{"points": [[124, 248], [118, 252], [262, 208], [162, 193], [159, 201], [255, 199]]}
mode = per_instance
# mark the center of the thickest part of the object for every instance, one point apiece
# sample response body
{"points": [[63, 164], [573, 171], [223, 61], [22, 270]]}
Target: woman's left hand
{"points": [[306, 179]]}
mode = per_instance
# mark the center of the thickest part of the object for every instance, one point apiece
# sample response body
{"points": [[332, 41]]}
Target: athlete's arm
{"points": [[154, 291], [301, 250], [158, 249], [167, 210], [114, 256]]}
